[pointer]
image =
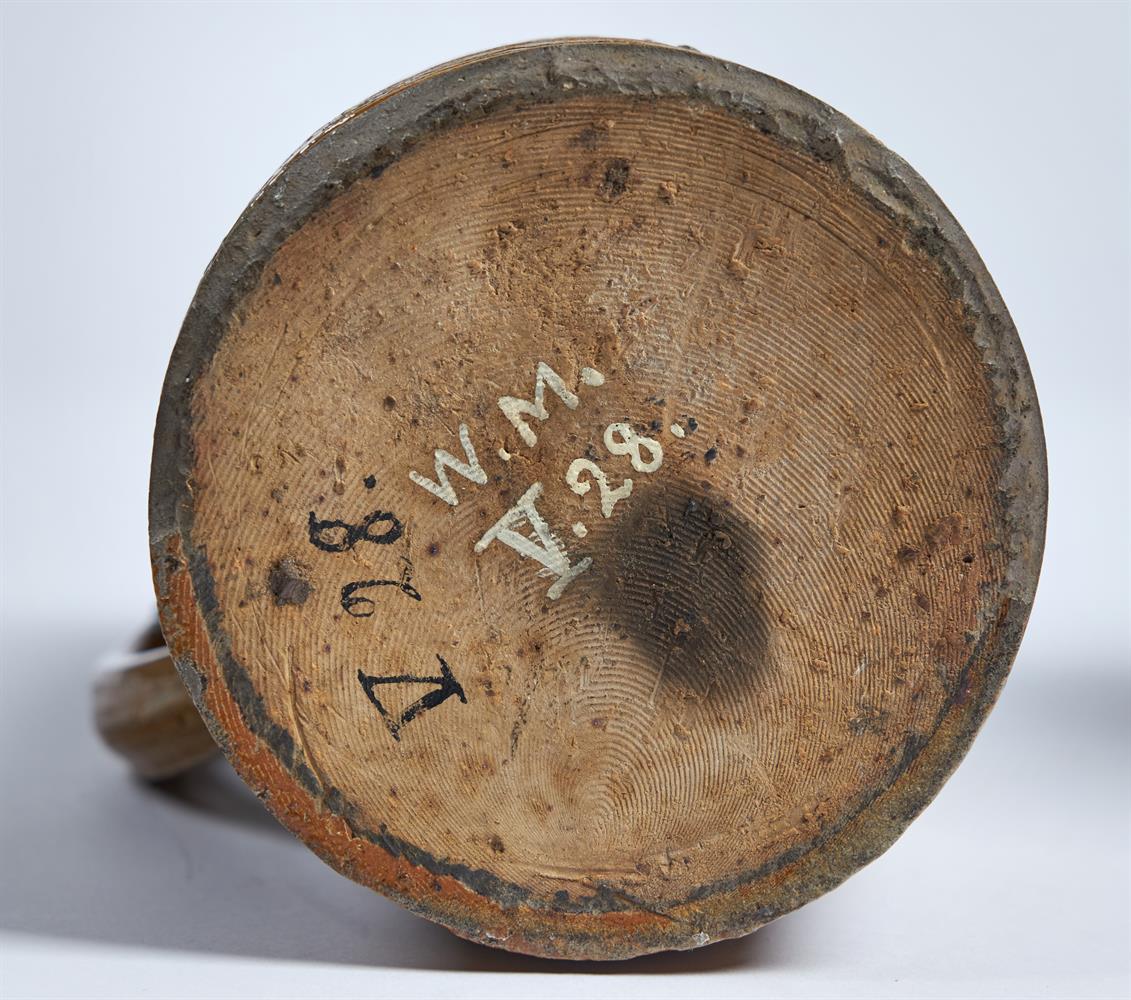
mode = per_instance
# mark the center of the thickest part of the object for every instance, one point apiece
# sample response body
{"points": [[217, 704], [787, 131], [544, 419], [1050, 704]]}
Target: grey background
{"points": [[131, 138]]}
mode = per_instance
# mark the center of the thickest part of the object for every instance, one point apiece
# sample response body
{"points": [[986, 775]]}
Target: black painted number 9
{"points": [[359, 606]]}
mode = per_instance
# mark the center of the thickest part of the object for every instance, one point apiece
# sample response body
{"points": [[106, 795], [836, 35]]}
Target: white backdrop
{"points": [[133, 136]]}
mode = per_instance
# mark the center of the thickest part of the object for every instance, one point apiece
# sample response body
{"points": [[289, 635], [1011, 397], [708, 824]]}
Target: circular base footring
{"points": [[597, 495]]}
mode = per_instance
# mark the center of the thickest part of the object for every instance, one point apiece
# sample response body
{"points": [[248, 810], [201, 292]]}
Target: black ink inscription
{"points": [[447, 686], [362, 607], [339, 536]]}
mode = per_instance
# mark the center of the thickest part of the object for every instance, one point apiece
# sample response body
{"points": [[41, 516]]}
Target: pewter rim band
{"points": [[365, 141]]}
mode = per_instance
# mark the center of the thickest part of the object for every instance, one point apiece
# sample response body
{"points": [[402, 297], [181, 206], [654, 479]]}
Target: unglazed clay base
{"points": [[598, 493]]}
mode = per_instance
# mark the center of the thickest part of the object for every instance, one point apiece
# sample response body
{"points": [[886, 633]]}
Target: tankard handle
{"points": [[144, 713]]}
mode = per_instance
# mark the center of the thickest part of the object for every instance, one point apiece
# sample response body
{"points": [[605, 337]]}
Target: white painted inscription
{"points": [[541, 545], [621, 439], [471, 469], [609, 496], [522, 528], [517, 410]]}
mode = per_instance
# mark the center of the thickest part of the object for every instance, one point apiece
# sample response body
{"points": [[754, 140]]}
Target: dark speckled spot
{"points": [[289, 583]]}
